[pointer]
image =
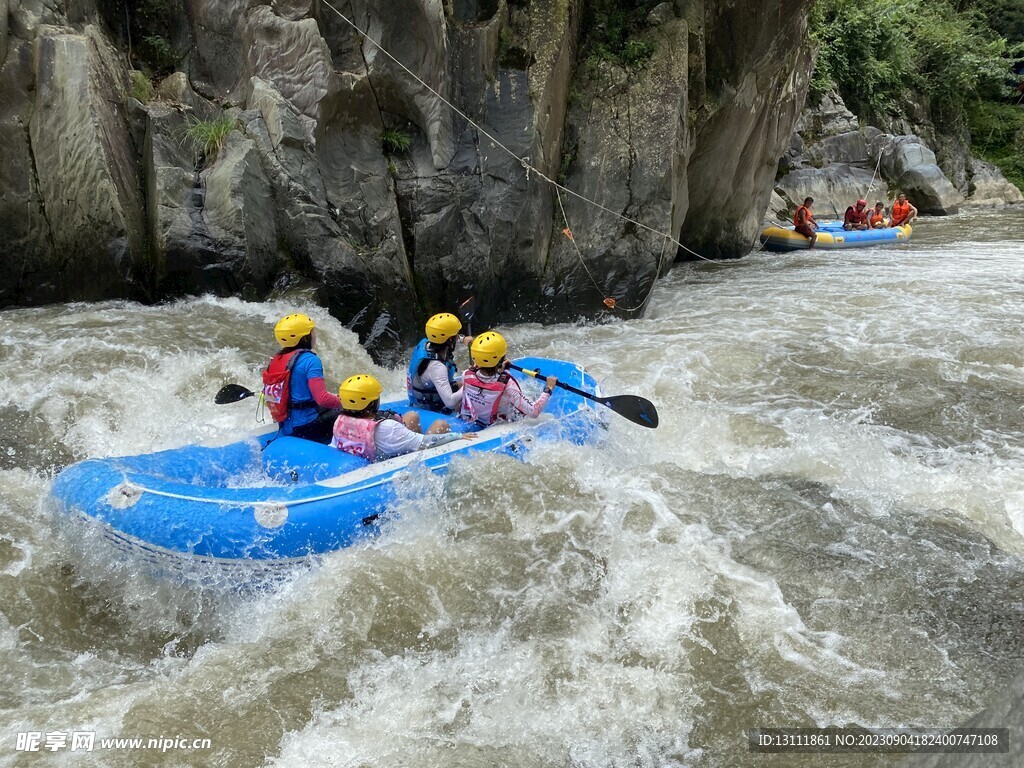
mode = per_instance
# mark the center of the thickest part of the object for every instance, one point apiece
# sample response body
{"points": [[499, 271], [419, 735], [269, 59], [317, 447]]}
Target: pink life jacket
{"points": [[354, 435], [480, 399]]}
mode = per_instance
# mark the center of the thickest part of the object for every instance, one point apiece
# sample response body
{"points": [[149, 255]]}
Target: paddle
{"points": [[232, 393], [636, 409], [466, 310]]}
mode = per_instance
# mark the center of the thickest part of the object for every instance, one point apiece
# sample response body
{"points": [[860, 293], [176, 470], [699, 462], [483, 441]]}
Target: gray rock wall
{"points": [[629, 147], [115, 194], [758, 65]]}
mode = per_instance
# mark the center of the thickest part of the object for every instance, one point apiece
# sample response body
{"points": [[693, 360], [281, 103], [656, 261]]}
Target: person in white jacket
{"points": [[490, 394]]}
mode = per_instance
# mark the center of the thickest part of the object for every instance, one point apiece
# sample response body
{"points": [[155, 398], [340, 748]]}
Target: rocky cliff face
{"points": [[335, 163]]}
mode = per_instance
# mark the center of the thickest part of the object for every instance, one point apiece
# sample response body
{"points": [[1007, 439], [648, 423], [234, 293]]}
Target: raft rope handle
{"points": [[131, 485], [524, 161]]}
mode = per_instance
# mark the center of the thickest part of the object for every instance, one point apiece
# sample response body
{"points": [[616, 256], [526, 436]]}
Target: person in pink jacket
{"points": [[490, 394]]}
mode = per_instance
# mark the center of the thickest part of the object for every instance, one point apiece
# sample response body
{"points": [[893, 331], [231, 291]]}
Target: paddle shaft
{"points": [[637, 409], [559, 384]]}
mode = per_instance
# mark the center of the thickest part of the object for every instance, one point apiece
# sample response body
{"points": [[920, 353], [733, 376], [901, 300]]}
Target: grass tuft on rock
{"points": [[208, 136]]}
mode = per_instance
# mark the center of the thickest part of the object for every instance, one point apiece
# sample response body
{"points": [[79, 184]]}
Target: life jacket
{"points": [[480, 399], [355, 435], [277, 384], [425, 395], [876, 218], [796, 216], [900, 211], [853, 216]]}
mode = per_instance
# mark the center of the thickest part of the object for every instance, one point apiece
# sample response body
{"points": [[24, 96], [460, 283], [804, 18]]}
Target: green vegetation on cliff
{"points": [[997, 135], [875, 51], [953, 57], [612, 27]]}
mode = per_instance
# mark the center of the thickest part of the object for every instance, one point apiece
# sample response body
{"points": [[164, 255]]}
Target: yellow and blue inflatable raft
{"points": [[832, 236]]}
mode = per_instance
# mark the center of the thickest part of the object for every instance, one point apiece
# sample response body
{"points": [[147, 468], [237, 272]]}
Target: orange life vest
{"points": [[876, 218], [900, 211], [796, 216]]}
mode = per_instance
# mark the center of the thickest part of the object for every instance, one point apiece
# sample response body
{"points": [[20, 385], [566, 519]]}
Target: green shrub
{"points": [[636, 52], [395, 141], [610, 32], [876, 51], [159, 52], [208, 136], [997, 135]]}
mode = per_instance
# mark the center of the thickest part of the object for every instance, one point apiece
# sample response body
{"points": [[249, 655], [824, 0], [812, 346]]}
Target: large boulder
{"points": [[901, 153], [834, 187], [912, 168], [927, 187], [989, 188]]}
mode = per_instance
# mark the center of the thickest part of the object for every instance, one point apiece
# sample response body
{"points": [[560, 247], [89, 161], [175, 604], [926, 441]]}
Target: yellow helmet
{"points": [[357, 392], [291, 328], [488, 349], [442, 327]]}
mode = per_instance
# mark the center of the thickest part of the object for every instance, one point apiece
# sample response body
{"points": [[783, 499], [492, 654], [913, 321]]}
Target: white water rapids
{"points": [[826, 529]]}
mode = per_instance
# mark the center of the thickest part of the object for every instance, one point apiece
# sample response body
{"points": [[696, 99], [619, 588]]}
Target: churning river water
{"points": [[827, 529]]}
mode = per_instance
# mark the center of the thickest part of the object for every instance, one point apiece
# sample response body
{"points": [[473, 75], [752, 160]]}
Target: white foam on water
{"points": [[824, 529]]}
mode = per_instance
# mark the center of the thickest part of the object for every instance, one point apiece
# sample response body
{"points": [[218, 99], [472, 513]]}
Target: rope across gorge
{"points": [[560, 189]]}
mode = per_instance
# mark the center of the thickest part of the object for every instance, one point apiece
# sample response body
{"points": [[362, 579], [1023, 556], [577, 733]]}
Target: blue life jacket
{"points": [[425, 395]]}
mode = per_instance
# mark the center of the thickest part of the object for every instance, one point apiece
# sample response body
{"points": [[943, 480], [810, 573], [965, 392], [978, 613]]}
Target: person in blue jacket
{"points": [[432, 380], [293, 383]]}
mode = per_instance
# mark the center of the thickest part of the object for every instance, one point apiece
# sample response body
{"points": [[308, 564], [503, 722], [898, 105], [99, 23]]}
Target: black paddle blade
{"points": [[639, 410], [467, 308], [232, 393]]}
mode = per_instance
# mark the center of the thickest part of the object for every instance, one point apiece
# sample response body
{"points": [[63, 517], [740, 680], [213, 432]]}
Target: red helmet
{"points": [[862, 202]]}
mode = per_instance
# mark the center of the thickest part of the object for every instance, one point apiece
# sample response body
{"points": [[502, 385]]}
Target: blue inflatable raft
{"points": [[267, 501], [832, 236]]}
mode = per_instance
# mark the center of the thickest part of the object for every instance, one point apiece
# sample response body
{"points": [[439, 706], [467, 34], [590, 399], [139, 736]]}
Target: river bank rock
{"points": [[84, 169], [989, 188]]}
